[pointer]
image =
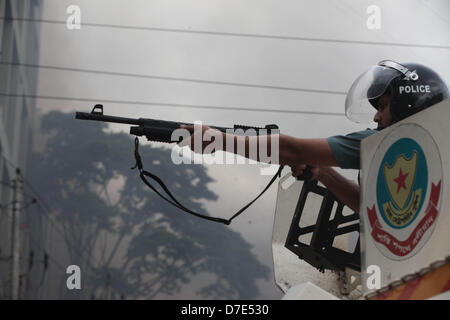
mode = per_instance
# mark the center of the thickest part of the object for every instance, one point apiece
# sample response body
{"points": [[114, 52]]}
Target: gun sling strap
{"points": [[143, 174]]}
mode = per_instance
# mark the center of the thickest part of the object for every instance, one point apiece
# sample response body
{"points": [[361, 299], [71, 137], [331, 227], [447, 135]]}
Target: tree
{"points": [[136, 245]]}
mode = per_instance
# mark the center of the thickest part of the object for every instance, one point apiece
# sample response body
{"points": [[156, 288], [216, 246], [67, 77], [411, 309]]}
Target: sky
{"points": [[315, 46]]}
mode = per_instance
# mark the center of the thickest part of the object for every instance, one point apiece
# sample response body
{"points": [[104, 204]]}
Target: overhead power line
{"points": [[136, 75], [231, 34], [170, 105], [40, 247], [436, 13], [46, 210]]}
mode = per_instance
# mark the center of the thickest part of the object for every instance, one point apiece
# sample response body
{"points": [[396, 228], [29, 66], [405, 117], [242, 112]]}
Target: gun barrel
{"points": [[161, 130], [100, 117]]}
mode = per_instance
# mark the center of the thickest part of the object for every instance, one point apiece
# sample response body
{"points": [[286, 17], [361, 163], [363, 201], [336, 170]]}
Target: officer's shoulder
{"points": [[363, 133]]}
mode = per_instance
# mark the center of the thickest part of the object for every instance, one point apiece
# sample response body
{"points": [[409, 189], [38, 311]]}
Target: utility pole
{"points": [[15, 237], [108, 287]]}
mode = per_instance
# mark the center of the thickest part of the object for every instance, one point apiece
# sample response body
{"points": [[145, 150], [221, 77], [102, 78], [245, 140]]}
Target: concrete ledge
{"points": [[307, 291]]}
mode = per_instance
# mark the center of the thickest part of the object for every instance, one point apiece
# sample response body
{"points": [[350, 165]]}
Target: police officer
{"points": [[387, 93], [395, 91]]}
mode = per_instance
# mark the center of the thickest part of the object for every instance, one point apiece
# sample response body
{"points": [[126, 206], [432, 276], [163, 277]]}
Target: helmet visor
{"points": [[369, 85]]}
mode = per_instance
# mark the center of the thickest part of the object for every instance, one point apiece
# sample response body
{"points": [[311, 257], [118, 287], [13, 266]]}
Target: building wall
{"points": [[18, 44]]}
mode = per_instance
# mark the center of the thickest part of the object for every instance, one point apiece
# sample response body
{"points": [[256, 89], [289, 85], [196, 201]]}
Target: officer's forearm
{"points": [[315, 152], [251, 147], [281, 149], [345, 190]]}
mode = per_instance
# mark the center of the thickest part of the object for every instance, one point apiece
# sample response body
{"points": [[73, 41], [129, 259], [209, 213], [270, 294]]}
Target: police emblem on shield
{"points": [[400, 185], [399, 180], [406, 178]]}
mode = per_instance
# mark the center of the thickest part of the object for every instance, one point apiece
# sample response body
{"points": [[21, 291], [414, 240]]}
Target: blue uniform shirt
{"points": [[346, 149]]}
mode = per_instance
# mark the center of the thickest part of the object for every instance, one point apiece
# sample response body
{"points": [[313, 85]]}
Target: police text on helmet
{"points": [[414, 89]]}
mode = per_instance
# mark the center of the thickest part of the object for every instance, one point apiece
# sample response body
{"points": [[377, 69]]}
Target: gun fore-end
{"points": [[157, 134], [160, 133]]}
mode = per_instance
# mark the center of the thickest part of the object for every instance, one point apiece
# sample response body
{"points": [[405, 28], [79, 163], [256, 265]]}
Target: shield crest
{"points": [[400, 178]]}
